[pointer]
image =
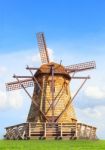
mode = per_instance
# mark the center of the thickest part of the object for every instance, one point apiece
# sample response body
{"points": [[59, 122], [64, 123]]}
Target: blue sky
{"points": [[61, 20], [75, 32]]}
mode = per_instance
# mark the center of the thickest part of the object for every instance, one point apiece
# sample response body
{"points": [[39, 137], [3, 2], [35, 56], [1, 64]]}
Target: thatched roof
{"points": [[58, 70]]}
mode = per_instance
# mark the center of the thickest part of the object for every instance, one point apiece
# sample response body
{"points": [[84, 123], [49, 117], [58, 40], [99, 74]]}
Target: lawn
{"points": [[52, 145]]}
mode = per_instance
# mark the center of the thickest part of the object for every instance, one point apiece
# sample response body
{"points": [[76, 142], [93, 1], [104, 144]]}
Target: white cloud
{"points": [[2, 99], [2, 70], [11, 100], [95, 92], [15, 99], [93, 116], [15, 63], [51, 54], [36, 57], [94, 113]]}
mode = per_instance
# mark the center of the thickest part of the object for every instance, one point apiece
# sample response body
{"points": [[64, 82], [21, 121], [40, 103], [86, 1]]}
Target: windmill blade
{"points": [[16, 85], [42, 48], [81, 67]]}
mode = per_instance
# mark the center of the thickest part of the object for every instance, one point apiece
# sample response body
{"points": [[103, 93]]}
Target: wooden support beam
{"points": [[70, 100], [31, 68], [37, 83], [61, 134], [76, 131], [15, 76], [80, 77], [29, 129], [22, 81], [61, 90], [31, 98], [52, 91], [45, 129], [35, 79]]}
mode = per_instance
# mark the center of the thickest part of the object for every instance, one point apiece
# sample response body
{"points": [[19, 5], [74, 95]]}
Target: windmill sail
{"points": [[16, 85], [81, 67], [42, 48]]}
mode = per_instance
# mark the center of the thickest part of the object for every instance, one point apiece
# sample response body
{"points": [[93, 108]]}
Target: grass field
{"points": [[52, 145]]}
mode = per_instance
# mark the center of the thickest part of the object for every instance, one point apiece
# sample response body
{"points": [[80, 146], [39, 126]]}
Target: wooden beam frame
{"points": [[31, 98], [55, 99], [80, 77], [31, 68], [71, 100], [15, 76], [52, 91], [37, 82]]}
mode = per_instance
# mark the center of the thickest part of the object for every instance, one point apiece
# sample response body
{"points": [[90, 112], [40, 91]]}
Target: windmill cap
{"points": [[46, 69]]}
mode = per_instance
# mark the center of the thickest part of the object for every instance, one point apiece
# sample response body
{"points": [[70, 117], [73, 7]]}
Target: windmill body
{"points": [[51, 112], [52, 106]]}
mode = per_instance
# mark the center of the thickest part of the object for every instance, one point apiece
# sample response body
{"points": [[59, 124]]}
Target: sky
{"points": [[75, 33]]}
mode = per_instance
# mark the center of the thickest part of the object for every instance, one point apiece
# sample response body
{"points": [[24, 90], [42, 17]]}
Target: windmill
{"points": [[51, 101]]}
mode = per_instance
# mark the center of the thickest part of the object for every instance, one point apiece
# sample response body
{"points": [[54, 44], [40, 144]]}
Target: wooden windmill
{"points": [[51, 99]]}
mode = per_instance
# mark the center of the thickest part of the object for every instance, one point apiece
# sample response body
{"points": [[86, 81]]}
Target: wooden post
{"points": [[52, 90], [76, 130], [85, 131], [29, 129], [61, 131], [79, 131], [90, 132], [45, 129], [94, 137]]}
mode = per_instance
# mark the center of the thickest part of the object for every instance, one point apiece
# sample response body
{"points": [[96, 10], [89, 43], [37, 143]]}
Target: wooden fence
{"points": [[34, 130]]}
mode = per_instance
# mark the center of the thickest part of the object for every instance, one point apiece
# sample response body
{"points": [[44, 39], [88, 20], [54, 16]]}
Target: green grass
{"points": [[52, 145]]}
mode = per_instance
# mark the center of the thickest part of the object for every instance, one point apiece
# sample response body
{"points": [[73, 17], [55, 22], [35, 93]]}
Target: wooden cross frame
{"points": [[43, 115], [55, 99], [71, 100], [36, 81]]}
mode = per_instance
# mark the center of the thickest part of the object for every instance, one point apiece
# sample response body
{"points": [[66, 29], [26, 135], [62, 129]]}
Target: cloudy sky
{"points": [[75, 33]]}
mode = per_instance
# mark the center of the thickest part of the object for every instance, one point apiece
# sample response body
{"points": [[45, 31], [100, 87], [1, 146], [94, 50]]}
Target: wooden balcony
{"points": [[34, 130]]}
